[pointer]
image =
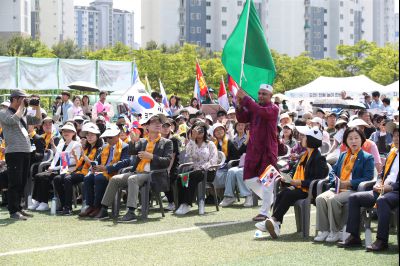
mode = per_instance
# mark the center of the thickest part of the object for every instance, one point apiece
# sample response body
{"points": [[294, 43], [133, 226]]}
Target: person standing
{"points": [[62, 111], [262, 149], [102, 108], [14, 122]]}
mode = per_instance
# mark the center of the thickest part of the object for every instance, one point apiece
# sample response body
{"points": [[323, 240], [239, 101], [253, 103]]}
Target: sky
{"points": [[129, 5]]}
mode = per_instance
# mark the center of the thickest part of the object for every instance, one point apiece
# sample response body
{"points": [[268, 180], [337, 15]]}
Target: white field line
{"points": [[128, 237]]}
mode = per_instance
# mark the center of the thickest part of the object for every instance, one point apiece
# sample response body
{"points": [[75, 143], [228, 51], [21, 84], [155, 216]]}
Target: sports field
{"points": [[217, 238]]}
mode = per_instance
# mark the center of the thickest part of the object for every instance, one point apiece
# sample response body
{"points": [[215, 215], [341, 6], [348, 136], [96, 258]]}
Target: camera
{"points": [[34, 102], [93, 164]]}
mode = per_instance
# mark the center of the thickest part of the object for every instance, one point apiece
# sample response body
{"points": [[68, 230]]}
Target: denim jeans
{"points": [[95, 187], [235, 178]]}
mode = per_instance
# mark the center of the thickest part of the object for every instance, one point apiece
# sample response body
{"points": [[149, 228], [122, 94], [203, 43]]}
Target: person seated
{"points": [[382, 138], [224, 144], [69, 147], [151, 153], [319, 122], [38, 145], [113, 157], [352, 168], [311, 166], [124, 133], [203, 153], [385, 195], [90, 151], [288, 136], [50, 138]]}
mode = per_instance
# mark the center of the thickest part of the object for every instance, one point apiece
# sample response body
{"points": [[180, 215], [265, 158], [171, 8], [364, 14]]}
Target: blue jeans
{"points": [[95, 187], [233, 178]]}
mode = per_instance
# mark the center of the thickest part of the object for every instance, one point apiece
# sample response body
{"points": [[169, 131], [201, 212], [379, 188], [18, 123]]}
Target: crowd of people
{"points": [[90, 145]]}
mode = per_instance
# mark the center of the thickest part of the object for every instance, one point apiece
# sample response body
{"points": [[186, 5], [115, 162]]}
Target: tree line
{"points": [[175, 65]]}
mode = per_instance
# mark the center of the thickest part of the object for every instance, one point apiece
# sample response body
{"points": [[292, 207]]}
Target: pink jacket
{"points": [[262, 149]]}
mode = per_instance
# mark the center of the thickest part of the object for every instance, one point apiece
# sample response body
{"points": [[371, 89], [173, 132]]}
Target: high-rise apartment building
{"points": [[99, 25], [15, 18], [52, 21]]}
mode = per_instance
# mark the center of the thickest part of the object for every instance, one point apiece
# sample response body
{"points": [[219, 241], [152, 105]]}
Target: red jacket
{"points": [[262, 149]]}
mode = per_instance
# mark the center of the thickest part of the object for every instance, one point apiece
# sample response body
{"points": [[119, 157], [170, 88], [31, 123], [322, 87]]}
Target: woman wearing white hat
{"points": [[64, 183], [67, 152]]}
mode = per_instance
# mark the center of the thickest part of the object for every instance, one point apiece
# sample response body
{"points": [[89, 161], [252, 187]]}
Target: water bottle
{"points": [[33, 147], [53, 209], [368, 237], [201, 207]]}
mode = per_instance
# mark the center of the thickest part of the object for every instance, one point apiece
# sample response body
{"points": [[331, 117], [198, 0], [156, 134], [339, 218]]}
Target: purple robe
{"points": [[262, 149]]}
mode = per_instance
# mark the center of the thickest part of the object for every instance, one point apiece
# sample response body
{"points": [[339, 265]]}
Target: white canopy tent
{"points": [[391, 90], [324, 87]]}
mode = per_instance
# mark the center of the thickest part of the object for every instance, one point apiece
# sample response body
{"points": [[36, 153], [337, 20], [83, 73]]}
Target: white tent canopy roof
{"points": [[391, 90], [332, 87]]}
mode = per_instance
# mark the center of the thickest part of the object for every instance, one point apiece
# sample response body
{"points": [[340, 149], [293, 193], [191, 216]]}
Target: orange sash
{"points": [[300, 170], [82, 163], [348, 165], [117, 156], [150, 149], [389, 162], [224, 146]]}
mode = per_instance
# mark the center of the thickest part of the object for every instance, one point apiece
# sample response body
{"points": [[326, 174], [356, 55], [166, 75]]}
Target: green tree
{"points": [[67, 49]]}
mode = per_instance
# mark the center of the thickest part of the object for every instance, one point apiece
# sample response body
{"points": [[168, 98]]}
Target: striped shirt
{"points": [[15, 134]]}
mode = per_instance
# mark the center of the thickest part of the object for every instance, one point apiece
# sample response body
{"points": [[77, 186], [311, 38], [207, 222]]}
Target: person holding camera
{"points": [[15, 121], [102, 108]]}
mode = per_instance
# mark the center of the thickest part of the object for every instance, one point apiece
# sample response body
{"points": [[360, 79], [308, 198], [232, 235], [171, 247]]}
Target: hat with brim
{"points": [[209, 118], [5, 104], [317, 120], [90, 128], [231, 111], [392, 126], [68, 126], [289, 126], [340, 122], [18, 93], [66, 93], [101, 118], [217, 125], [78, 118], [110, 132], [319, 110], [47, 118], [162, 118], [308, 116], [266, 87], [357, 122], [283, 116], [201, 124]]}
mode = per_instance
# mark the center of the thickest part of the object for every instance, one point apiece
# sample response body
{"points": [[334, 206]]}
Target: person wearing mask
{"points": [[62, 111], [102, 108], [101, 123], [262, 149], [89, 152], [318, 122], [67, 152], [353, 167], [14, 123], [150, 154], [76, 108], [311, 166]]}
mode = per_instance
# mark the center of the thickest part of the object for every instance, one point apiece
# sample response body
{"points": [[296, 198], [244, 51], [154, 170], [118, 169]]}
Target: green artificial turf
{"points": [[224, 245]]}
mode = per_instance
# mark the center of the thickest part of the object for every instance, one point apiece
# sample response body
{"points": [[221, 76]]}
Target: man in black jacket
{"points": [[150, 154]]}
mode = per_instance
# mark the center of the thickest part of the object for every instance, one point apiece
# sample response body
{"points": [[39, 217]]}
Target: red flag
{"points": [[223, 96], [232, 86], [201, 81]]}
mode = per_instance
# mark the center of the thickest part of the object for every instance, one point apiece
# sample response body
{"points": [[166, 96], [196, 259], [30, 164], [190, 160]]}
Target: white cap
{"points": [[145, 119], [90, 128], [217, 125], [68, 126], [357, 122], [231, 111], [111, 131], [317, 120], [267, 88], [209, 117], [285, 115], [314, 132]]}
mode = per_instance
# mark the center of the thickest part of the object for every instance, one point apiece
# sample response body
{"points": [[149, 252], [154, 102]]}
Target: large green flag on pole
{"points": [[246, 55]]}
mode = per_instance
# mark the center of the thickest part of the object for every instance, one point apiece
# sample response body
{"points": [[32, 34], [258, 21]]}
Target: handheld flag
{"points": [[185, 179], [232, 87], [201, 81], [148, 86], [268, 176], [64, 163], [223, 96], [165, 101], [135, 76], [337, 184], [246, 55]]}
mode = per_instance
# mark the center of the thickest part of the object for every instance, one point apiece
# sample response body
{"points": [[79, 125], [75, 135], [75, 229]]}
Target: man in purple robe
{"points": [[262, 149]]}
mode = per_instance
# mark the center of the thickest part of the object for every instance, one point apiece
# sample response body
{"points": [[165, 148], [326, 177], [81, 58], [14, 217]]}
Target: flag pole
{"points": [[245, 43]]}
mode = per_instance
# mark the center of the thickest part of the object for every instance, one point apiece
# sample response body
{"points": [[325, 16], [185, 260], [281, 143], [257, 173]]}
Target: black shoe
{"points": [[67, 212], [18, 216], [378, 245], [130, 216], [350, 242], [102, 215], [26, 214]]}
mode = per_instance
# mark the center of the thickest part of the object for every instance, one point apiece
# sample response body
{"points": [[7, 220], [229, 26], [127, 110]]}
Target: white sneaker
{"points": [[183, 209], [170, 207], [248, 202], [333, 237], [43, 207], [261, 226], [34, 205], [227, 201], [165, 199], [321, 237], [273, 228]]}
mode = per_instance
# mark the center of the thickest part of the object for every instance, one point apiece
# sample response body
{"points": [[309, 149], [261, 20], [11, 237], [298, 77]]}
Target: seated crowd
{"points": [[340, 150]]}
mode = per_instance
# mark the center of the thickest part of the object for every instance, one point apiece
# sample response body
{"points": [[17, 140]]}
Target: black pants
{"points": [[170, 194], [42, 186], [385, 203], [186, 194], [63, 185], [18, 166], [285, 199]]}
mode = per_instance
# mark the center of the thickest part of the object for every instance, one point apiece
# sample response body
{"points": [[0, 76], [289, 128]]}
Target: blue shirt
{"points": [[377, 105]]}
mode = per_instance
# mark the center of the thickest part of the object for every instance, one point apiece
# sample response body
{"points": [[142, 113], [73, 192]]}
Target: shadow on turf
{"points": [[215, 232]]}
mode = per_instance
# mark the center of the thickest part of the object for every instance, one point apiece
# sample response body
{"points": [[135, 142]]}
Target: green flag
{"points": [[246, 55], [185, 179]]}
